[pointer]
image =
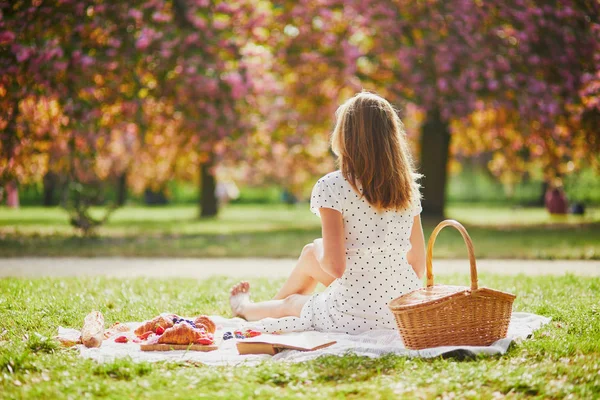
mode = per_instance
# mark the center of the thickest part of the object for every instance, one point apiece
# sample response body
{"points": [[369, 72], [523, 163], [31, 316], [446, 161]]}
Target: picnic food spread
{"points": [[171, 329], [163, 332]]}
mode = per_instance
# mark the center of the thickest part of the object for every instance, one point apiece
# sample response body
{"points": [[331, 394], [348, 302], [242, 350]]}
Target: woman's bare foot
{"points": [[239, 297]]}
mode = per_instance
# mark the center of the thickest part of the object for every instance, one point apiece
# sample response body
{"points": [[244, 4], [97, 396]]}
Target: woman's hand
{"points": [[331, 250]]}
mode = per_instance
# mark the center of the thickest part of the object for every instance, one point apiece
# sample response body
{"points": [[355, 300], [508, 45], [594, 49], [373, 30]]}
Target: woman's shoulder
{"points": [[332, 178]]}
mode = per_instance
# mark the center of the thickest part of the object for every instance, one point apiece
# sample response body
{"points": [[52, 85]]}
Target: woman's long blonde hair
{"points": [[372, 150]]}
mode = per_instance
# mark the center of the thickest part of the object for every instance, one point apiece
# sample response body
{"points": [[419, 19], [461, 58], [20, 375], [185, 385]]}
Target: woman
{"points": [[372, 248]]}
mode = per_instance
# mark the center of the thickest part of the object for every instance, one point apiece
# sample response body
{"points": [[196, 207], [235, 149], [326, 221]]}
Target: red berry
{"points": [[145, 335], [121, 339], [160, 330], [204, 341]]}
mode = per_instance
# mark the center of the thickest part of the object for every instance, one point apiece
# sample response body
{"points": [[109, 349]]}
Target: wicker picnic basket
{"points": [[443, 315]]}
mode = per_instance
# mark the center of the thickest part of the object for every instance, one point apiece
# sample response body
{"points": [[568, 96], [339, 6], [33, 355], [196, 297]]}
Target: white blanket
{"points": [[370, 344]]}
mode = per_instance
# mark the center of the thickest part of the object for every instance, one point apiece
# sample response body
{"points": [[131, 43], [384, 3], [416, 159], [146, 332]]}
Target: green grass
{"points": [[281, 231], [561, 360]]}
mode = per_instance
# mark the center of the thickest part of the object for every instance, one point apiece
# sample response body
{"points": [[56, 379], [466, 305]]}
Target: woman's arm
{"points": [[416, 255], [331, 250]]}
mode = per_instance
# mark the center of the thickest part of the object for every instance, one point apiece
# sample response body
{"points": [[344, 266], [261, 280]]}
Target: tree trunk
{"points": [[121, 189], [50, 181], [208, 199], [435, 148]]}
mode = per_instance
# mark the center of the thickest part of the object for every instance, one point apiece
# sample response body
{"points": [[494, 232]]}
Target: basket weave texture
{"points": [[440, 315]]}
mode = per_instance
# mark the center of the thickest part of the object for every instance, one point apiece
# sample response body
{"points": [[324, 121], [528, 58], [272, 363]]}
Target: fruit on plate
{"points": [[252, 333], [145, 335], [177, 320], [122, 339]]}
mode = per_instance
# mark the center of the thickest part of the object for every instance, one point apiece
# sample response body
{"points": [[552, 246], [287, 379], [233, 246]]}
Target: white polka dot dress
{"points": [[376, 266]]}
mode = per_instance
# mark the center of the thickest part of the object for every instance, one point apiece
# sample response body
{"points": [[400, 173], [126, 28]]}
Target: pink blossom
{"points": [[86, 61], [135, 14], [143, 42], [211, 87], [6, 37], [60, 65], [219, 24], [191, 38], [23, 54], [236, 84], [160, 17], [476, 85], [197, 21], [534, 59], [442, 84], [225, 8]]}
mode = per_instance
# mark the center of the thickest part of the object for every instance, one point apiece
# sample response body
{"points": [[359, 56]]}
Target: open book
{"points": [[273, 344]]}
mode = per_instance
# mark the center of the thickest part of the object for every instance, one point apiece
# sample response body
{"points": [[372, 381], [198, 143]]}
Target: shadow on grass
{"points": [[572, 242]]}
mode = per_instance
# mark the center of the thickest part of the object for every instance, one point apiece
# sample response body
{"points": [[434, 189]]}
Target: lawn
{"points": [[281, 231], [562, 360]]}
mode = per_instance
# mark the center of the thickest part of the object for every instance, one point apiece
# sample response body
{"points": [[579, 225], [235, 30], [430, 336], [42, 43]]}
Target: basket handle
{"points": [[468, 242]]}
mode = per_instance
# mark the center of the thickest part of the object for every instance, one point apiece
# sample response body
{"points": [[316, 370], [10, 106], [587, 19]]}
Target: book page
{"points": [[304, 341]]}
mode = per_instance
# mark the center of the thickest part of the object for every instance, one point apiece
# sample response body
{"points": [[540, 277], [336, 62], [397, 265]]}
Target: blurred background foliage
{"points": [[169, 101]]}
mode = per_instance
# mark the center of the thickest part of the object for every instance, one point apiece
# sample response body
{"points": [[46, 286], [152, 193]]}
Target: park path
{"points": [[253, 267]]}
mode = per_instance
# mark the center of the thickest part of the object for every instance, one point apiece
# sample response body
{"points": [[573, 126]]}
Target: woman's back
{"points": [[367, 230]]}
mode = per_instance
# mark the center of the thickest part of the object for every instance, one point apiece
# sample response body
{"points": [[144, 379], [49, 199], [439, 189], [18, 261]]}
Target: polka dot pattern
{"points": [[376, 267]]}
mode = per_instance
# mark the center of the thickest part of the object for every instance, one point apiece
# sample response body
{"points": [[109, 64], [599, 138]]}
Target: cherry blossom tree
{"points": [[141, 92], [452, 58]]}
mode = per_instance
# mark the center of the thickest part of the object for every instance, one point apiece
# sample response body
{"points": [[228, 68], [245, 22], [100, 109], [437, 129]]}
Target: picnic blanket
{"points": [[371, 344]]}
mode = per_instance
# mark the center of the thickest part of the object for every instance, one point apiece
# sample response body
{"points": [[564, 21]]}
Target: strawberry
{"points": [[160, 330], [204, 341], [145, 335], [121, 339]]}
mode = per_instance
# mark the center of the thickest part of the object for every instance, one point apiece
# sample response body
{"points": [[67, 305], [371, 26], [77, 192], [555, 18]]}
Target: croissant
{"points": [[205, 321], [181, 333], [164, 321], [116, 328]]}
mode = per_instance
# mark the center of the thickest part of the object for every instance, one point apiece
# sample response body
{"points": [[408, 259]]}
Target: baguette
{"points": [[92, 333]]}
